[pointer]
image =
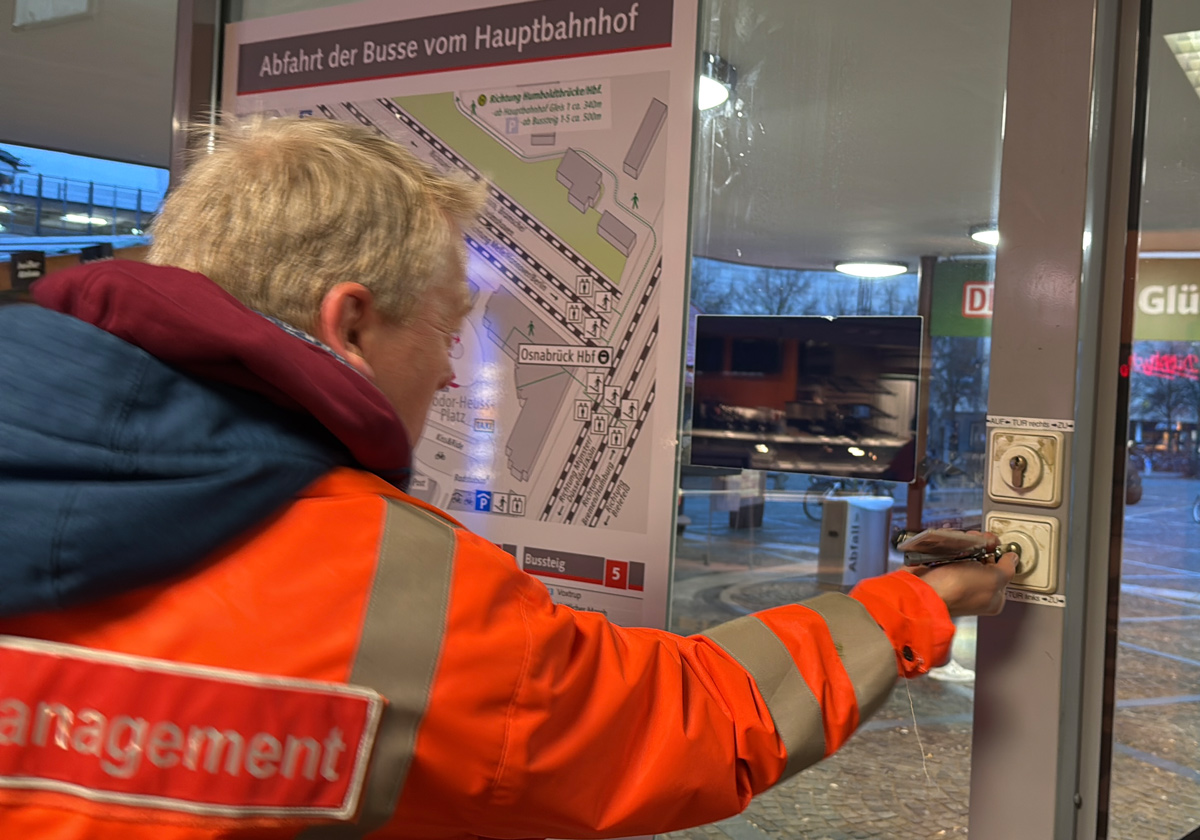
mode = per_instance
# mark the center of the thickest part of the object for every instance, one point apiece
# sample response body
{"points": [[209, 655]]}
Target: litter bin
{"points": [[743, 498], [854, 539]]}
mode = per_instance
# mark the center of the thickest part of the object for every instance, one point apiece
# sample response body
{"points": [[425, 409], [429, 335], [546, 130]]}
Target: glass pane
{"points": [[79, 201], [853, 131], [1156, 727]]}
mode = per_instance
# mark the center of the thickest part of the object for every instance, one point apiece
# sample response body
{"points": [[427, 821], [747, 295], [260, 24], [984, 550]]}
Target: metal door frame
{"points": [[199, 25]]}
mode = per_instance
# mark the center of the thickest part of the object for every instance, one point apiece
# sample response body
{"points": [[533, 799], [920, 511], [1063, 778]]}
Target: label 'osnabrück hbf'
{"points": [[569, 355]]}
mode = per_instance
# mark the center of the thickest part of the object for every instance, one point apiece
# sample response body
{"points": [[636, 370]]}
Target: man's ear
{"points": [[346, 312]]}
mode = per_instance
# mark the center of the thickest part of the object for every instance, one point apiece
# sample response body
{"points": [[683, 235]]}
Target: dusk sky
{"points": [[150, 179]]}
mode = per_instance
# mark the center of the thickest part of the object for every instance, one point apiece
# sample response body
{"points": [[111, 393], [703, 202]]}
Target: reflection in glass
{"points": [[1155, 786], [836, 396], [857, 132]]}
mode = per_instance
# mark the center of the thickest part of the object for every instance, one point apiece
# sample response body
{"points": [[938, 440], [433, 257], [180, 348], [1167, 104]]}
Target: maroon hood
{"points": [[187, 321]]}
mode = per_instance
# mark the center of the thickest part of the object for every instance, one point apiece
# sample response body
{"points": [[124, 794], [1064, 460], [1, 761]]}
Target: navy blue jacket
{"points": [[118, 469]]}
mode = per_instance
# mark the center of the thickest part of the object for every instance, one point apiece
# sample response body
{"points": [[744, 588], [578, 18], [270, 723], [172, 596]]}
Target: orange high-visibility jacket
{"points": [[496, 712]]}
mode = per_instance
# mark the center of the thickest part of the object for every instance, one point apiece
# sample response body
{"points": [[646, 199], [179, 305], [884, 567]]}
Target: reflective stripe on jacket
{"points": [[506, 715]]}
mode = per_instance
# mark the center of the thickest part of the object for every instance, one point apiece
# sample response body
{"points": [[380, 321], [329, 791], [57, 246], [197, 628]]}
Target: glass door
{"points": [[1155, 742], [869, 133]]}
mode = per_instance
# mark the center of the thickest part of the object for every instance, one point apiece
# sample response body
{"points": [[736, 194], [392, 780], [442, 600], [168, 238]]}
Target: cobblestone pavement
{"points": [[897, 779]]}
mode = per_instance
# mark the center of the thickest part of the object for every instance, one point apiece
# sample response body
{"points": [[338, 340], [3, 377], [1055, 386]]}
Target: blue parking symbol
{"points": [[483, 501]]}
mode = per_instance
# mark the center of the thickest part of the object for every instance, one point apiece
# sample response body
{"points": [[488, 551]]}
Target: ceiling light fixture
{"points": [[4, 209], [1185, 46], [81, 219], [717, 80], [872, 269], [986, 235]]}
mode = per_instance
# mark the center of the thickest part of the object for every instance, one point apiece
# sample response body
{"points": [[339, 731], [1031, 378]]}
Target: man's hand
{"points": [[971, 587]]}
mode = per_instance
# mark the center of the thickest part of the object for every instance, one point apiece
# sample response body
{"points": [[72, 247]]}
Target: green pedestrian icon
{"points": [[472, 109], [531, 329], [635, 200]]}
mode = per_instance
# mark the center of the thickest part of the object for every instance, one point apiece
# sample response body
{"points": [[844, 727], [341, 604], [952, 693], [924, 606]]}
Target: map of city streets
{"points": [[556, 364]]}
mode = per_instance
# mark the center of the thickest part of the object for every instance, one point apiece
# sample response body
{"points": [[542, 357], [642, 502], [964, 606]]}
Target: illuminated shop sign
{"points": [[1168, 366], [977, 300], [1167, 301], [962, 298], [1174, 299]]}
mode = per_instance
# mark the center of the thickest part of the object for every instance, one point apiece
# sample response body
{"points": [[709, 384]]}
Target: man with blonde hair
{"points": [[226, 618], [278, 236]]}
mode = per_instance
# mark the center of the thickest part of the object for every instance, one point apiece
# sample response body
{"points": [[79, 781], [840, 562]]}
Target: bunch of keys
{"points": [[938, 546]]}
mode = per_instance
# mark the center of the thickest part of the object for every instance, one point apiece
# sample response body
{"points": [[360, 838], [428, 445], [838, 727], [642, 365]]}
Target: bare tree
{"points": [[957, 384], [730, 288], [1191, 388], [778, 291], [1157, 390], [1164, 390], [896, 296], [711, 289], [840, 297]]}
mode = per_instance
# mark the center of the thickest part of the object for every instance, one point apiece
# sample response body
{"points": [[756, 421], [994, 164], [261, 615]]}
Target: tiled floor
{"points": [[903, 778]]}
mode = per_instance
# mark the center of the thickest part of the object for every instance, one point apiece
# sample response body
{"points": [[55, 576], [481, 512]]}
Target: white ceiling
{"points": [[872, 129], [1171, 191], [869, 128]]}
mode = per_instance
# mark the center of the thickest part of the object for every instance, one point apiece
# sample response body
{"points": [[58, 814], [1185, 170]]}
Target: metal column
{"points": [[1064, 183], [197, 59], [915, 503]]}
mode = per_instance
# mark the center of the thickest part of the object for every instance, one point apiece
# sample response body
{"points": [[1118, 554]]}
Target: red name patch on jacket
{"points": [[154, 734]]}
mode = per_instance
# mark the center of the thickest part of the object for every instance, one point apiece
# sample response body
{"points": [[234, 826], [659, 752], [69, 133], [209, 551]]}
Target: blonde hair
{"points": [[282, 210]]}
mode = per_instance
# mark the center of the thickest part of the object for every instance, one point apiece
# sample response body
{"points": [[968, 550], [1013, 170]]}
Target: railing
{"points": [[40, 205]]}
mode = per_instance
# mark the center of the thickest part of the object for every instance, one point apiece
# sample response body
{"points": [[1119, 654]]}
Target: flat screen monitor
{"points": [[831, 396]]}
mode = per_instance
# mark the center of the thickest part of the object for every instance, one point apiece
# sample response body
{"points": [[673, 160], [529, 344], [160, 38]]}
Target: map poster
{"points": [[558, 440]]}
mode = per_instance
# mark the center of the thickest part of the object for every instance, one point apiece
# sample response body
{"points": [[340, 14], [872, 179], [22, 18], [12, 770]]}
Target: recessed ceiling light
{"points": [[872, 269], [81, 219], [986, 235], [1185, 46]]}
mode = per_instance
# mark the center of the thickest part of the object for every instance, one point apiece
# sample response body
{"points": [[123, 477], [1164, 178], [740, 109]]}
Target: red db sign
{"points": [[977, 300]]}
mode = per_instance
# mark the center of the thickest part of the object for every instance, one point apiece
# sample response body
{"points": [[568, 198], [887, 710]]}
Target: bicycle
{"points": [[821, 488]]}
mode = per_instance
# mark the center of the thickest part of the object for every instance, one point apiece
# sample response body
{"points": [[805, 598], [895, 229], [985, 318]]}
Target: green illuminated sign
{"points": [[1167, 301], [962, 298]]}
